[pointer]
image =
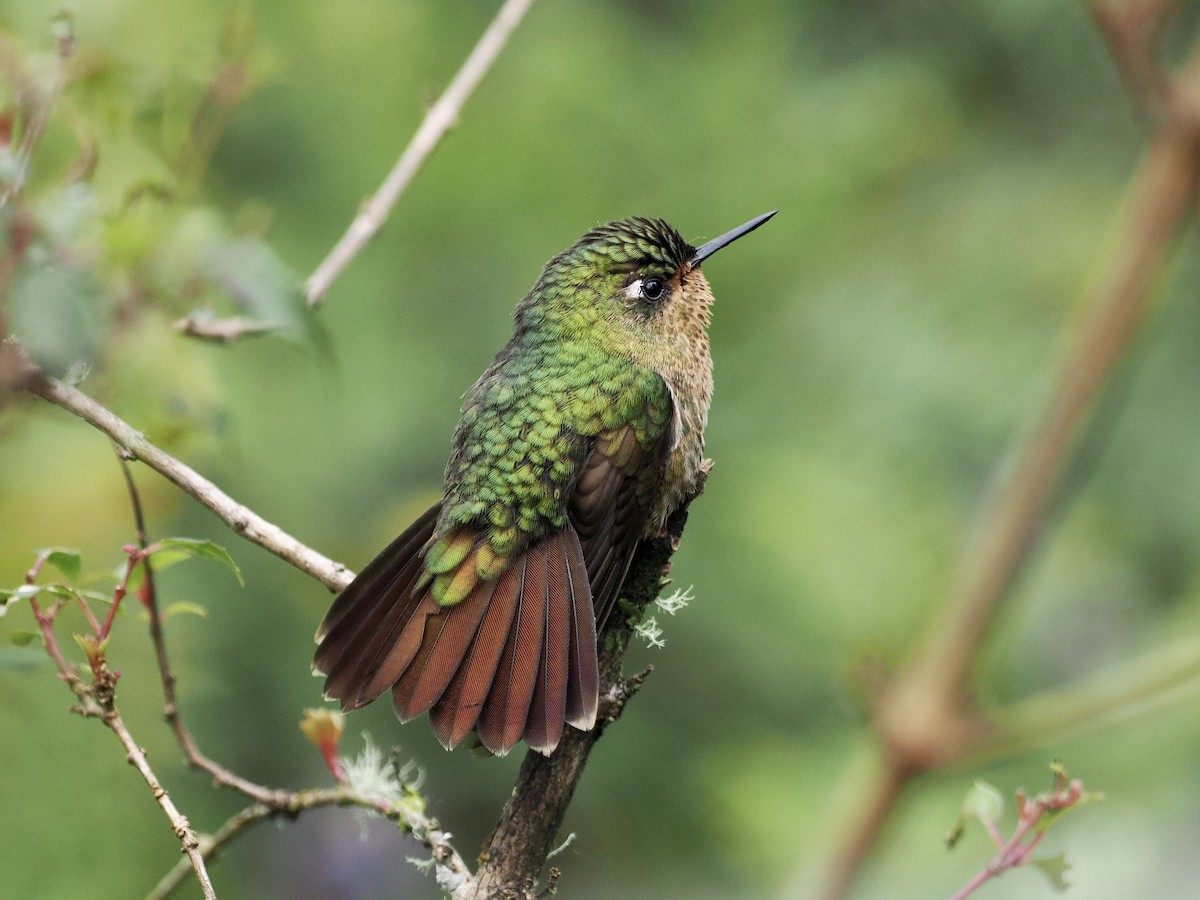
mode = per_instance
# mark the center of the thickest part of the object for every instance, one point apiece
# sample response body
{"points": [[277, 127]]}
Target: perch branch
{"points": [[440, 118], [529, 823]]}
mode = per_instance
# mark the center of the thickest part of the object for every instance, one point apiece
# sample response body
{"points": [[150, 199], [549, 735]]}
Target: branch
{"points": [[1161, 676], [529, 824], [1036, 816], [241, 519], [183, 831], [451, 871], [440, 118], [97, 700], [923, 720]]}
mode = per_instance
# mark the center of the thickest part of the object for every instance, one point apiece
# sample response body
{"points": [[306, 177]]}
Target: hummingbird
{"points": [[580, 439]]}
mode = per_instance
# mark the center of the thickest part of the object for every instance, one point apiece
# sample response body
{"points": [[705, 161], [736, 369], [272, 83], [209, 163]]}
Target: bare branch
{"points": [[222, 331], [440, 118], [97, 699], [451, 872], [241, 519], [923, 720], [183, 830]]}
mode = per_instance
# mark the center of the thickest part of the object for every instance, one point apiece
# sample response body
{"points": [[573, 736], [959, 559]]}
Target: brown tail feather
{"points": [[583, 676], [351, 654], [515, 659], [373, 579], [395, 645], [357, 615], [455, 714], [507, 705], [449, 633], [547, 709]]}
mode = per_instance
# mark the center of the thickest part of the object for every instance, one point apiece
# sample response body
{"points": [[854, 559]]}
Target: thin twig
{"points": [[97, 700], [440, 118], [276, 799], [183, 830], [240, 518], [451, 870], [35, 126], [221, 331]]}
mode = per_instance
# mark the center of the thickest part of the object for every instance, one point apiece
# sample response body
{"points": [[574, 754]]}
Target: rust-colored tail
{"points": [[515, 659]]}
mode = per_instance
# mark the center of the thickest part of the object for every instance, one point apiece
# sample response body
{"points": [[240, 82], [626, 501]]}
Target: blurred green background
{"points": [[948, 176]]}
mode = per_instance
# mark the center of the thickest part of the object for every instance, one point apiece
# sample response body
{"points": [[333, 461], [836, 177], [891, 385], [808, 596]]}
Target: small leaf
{"points": [[270, 293], [172, 550], [56, 309], [983, 802], [22, 638], [185, 607], [65, 559], [61, 590], [20, 592], [1055, 869], [93, 649]]}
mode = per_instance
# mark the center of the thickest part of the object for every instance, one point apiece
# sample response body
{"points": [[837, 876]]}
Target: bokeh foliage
{"points": [[947, 176]]}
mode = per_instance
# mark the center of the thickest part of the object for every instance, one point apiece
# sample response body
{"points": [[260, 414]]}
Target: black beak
{"points": [[706, 250]]}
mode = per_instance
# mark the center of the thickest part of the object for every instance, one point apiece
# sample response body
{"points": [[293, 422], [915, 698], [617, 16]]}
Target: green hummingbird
{"points": [[581, 438]]}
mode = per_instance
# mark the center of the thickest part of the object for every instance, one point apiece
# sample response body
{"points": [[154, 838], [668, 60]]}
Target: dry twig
{"points": [[440, 118]]}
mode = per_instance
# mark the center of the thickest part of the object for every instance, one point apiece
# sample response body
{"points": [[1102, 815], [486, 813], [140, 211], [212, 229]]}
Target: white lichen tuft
{"points": [[676, 601], [378, 776], [649, 631]]}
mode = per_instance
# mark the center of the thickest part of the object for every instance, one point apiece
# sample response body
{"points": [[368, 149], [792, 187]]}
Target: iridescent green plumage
{"points": [[579, 440]]}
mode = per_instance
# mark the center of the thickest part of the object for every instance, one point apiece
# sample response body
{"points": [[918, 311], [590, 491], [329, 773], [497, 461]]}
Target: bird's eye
{"points": [[653, 289]]}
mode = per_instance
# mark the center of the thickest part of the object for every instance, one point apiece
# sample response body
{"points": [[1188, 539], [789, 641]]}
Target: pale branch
{"points": [[179, 823], [1163, 193], [1161, 676], [221, 331], [438, 120], [97, 700], [923, 719], [241, 519], [526, 833], [449, 868]]}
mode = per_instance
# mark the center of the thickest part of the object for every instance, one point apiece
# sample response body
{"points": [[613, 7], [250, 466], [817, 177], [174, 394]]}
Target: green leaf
{"points": [[173, 550], [984, 802], [185, 607], [56, 312], [1055, 869], [981, 802], [60, 590], [65, 559], [22, 638], [20, 592], [270, 293]]}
